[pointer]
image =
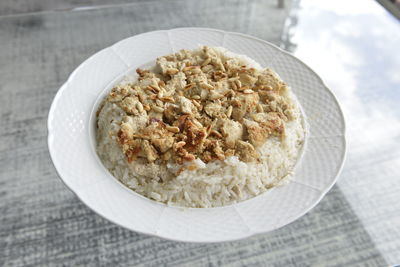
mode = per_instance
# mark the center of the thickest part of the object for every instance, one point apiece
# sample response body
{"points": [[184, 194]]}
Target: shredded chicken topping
{"points": [[200, 104]]}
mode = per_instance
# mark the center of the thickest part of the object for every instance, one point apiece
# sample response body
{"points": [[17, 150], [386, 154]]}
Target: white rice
{"points": [[217, 183]]}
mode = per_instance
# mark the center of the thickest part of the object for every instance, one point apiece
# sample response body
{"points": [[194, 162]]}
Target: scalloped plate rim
{"points": [[248, 234]]}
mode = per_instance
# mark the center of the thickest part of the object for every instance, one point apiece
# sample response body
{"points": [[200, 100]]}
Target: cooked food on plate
{"points": [[201, 128]]}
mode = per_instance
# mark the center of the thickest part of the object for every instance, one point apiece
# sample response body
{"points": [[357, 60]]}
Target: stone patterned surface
{"points": [[43, 224], [13, 7]]}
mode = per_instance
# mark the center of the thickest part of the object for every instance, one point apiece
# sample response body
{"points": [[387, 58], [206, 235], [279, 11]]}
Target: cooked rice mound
{"points": [[202, 128]]}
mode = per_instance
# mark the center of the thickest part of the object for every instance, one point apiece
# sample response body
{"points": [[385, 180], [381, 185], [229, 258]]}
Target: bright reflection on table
{"points": [[354, 47]]}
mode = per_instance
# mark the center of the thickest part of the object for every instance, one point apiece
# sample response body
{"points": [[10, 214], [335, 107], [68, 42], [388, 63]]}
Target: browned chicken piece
{"points": [[267, 80], [245, 103], [133, 149], [213, 109], [238, 113], [231, 63], [129, 126], [250, 101], [263, 117], [206, 156], [118, 93], [171, 112], [270, 121], [131, 105], [267, 96], [181, 154], [246, 151], [155, 115], [162, 140], [247, 79], [197, 78], [218, 151], [183, 54], [164, 65], [193, 131], [192, 91], [159, 136], [205, 121], [149, 151], [229, 152], [290, 114], [163, 144], [167, 155], [186, 105], [256, 134], [222, 86], [214, 95], [177, 82], [137, 122], [127, 130], [232, 131], [148, 81], [219, 76], [212, 151], [208, 52]]}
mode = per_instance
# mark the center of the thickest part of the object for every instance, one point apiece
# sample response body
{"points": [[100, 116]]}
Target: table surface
{"points": [[353, 45]]}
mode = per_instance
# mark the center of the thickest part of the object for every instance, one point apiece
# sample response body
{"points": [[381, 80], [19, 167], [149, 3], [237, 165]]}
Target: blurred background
{"points": [[352, 45]]}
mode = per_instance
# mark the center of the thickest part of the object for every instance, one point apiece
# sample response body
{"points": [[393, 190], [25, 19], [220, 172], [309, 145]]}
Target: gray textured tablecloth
{"points": [[43, 223]]}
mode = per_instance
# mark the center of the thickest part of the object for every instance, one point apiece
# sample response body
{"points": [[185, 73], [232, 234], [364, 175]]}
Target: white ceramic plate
{"points": [[72, 148]]}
